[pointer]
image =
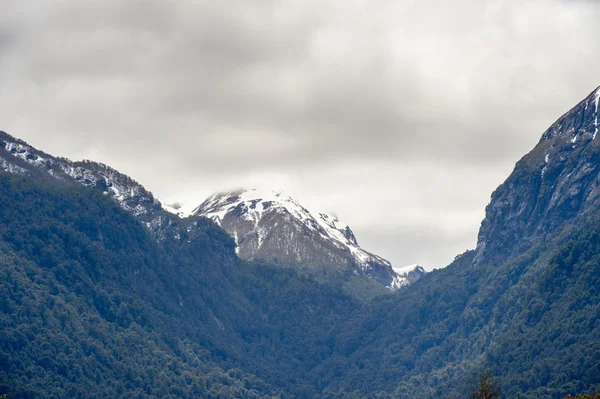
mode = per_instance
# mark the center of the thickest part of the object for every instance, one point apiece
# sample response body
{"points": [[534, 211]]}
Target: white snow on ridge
{"points": [[121, 188], [179, 209], [406, 269], [27, 154], [402, 275], [11, 168], [258, 202], [596, 102], [90, 174]]}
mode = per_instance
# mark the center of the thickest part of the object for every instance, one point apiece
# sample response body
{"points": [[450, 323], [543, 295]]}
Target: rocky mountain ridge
{"points": [[325, 240], [16, 156], [272, 226], [554, 185], [84, 288]]}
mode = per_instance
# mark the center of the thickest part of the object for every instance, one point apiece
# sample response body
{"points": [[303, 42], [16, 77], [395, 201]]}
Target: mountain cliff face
{"points": [[270, 225], [528, 311], [553, 187]]}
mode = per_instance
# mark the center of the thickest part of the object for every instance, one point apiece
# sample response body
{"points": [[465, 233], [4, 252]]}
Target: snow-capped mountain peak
{"points": [[408, 274], [253, 204], [255, 201], [181, 209], [265, 224], [578, 126], [272, 225]]}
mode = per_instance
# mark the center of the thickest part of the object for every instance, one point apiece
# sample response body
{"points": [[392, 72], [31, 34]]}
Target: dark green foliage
{"points": [[92, 306], [86, 303], [534, 320], [551, 347], [487, 388]]}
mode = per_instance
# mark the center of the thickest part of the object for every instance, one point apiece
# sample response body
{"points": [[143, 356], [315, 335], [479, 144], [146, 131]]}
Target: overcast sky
{"points": [[399, 116]]}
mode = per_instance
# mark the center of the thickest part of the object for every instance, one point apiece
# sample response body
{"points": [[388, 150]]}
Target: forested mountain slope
{"points": [[326, 255], [534, 321], [91, 305], [525, 303]]}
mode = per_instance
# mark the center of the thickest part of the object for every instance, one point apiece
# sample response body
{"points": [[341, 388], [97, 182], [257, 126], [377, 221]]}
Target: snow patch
{"points": [[179, 209], [596, 103], [11, 168], [256, 203], [546, 161], [406, 269]]}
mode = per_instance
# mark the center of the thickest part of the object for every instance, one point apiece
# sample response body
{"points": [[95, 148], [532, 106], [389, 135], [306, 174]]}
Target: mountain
{"points": [[329, 244], [106, 295], [18, 157], [411, 273], [552, 187], [524, 304], [271, 226]]}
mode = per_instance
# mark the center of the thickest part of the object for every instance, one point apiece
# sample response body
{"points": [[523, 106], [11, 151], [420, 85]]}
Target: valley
{"points": [[104, 292]]}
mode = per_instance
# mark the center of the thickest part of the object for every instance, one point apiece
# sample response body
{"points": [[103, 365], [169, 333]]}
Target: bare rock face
{"points": [[272, 226], [411, 274], [552, 187]]}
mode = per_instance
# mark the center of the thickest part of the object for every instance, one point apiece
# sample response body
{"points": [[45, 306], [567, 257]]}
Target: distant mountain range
{"points": [[103, 293], [266, 225]]}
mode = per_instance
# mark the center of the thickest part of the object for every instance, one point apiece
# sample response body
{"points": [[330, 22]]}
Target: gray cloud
{"points": [[332, 100]]}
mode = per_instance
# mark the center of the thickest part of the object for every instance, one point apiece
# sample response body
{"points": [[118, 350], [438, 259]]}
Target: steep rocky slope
{"points": [[272, 226], [552, 187], [524, 304]]}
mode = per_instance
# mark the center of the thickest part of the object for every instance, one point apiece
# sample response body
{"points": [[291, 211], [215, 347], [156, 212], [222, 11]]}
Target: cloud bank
{"points": [[399, 116]]}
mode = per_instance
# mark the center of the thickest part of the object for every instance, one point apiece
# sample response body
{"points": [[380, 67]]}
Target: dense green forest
{"points": [[534, 321], [91, 305]]}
